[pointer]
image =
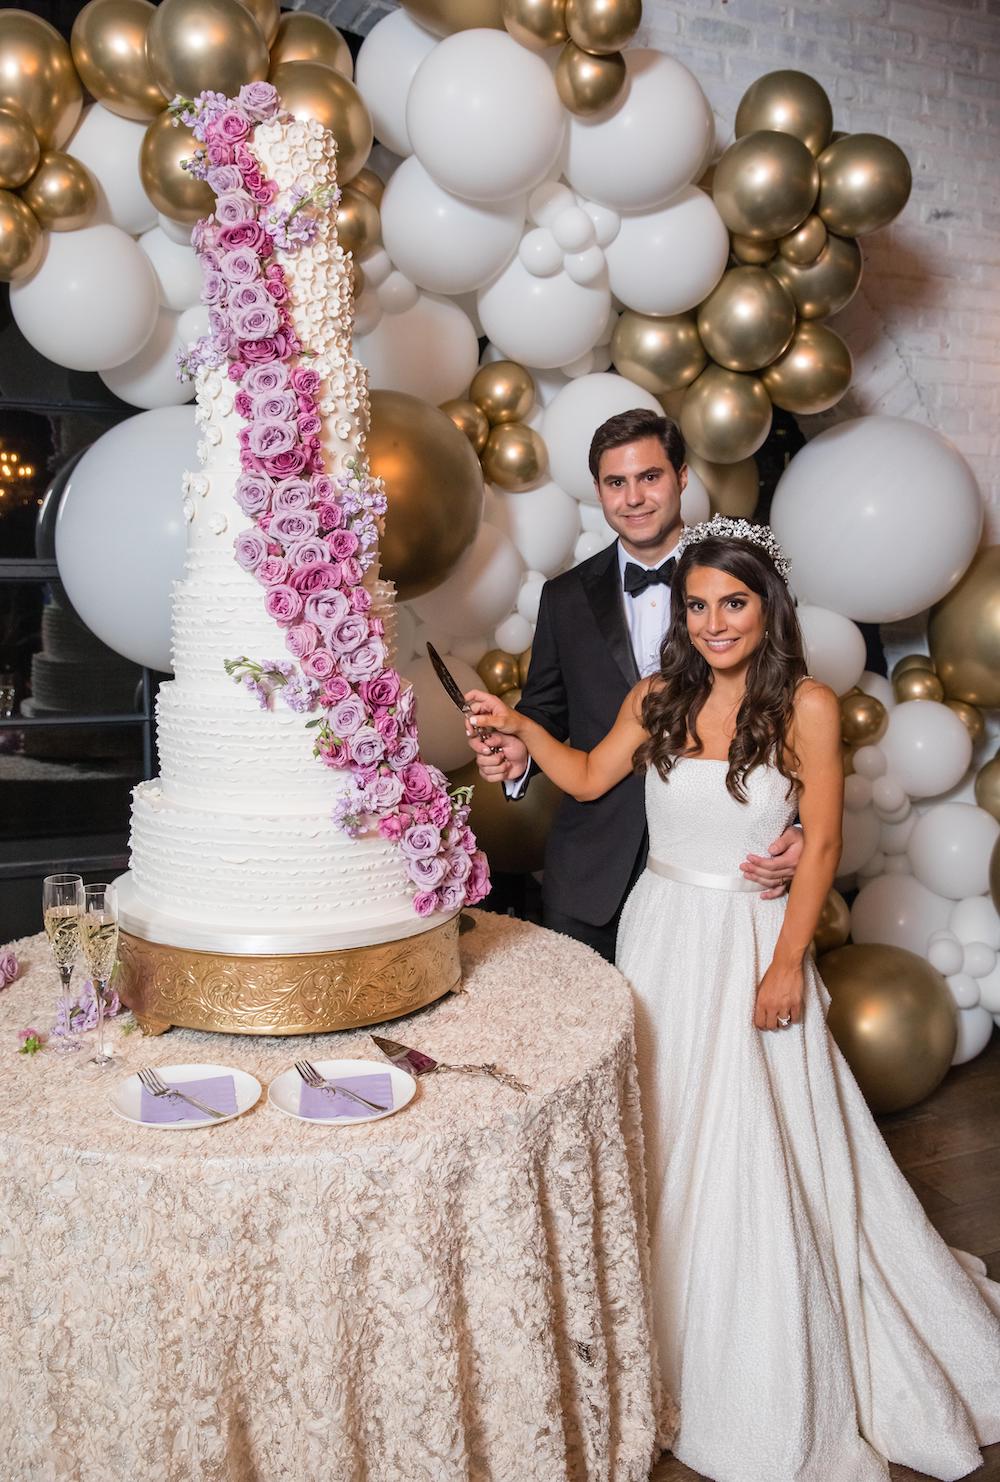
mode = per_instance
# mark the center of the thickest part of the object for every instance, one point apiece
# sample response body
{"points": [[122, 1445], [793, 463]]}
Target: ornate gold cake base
{"points": [[309, 993]]}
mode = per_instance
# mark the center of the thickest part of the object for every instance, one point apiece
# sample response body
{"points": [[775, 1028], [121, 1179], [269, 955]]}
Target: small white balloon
{"points": [[927, 748], [543, 322], [540, 253], [950, 849], [193, 324], [178, 231], [667, 261], [975, 1027], [607, 223], [109, 146], [367, 313], [586, 267], [978, 959], [387, 64], [514, 634], [399, 356], [590, 542], [573, 229], [543, 523], [896, 864], [888, 796], [480, 591], [530, 595], [874, 868], [944, 952], [976, 920], [878, 687], [443, 741], [989, 991], [835, 648], [870, 762], [441, 242], [549, 200], [378, 267], [964, 990], [150, 378], [177, 269], [899, 911], [895, 837], [574, 415], [397, 293], [860, 841], [695, 503], [857, 793]]}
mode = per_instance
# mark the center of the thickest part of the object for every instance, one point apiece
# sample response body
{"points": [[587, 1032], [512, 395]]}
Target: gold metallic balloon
{"points": [[805, 243], [971, 718], [536, 23], [369, 184], [512, 834], [504, 391], [725, 415], [434, 486], [523, 664], [754, 253], [964, 633], [585, 83], [659, 354], [359, 227], [602, 26], [470, 419], [512, 697], [834, 924], [20, 150], [21, 240], [745, 323], [498, 671], [171, 189], [267, 14], [705, 183], [444, 17], [109, 49], [310, 90], [864, 182], [912, 661], [788, 102], [194, 45], [61, 193], [37, 76], [515, 457], [304, 37], [917, 684], [824, 286], [863, 720], [894, 1019], [733, 488], [357, 280], [988, 787], [765, 185], [813, 373], [672, 401]]}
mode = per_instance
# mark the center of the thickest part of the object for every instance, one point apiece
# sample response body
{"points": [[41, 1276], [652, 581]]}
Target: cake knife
{"points": [[454, 693], [418, 1064]]}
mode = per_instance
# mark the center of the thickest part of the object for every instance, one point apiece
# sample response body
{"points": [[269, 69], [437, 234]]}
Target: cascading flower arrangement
{"points": [[313, 536]]}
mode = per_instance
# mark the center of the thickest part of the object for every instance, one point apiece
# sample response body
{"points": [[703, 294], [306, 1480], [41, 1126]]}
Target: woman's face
{"points": [[725, 619]]}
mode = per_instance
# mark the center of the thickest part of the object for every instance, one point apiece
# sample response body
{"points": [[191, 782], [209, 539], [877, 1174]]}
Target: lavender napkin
{"points": [[329, 1105], [214, 1090]]}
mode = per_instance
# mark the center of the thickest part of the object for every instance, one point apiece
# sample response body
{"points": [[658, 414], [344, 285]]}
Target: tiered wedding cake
{"points": [[292, 814]]}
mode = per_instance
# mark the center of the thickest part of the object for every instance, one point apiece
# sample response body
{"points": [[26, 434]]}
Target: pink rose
{"points": [[319, 665], [350, 572], [232, 126], [219, 153], [331, 516], [9, 967], [382, 690], [278, 289], [259, 352], [440, 810], [311, 552], [248, 234], [326, 609], [361, 599], [391, 828], [272, 571], [309, 424], [305, 381], [388, 728], [425, 902], [320, 576], [478, 883], [417, 782], [451, 895], [243, 404], [335, 690], [332, 753], [301, 640], [343, 543], [282, 603], [292, 460]]}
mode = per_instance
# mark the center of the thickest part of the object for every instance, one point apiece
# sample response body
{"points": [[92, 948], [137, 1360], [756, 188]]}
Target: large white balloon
{"points": [[442, 734], [544, 322], [429, 350], [880, 517], [387, 63], [480, 591], [666, 261], [927, 747], [976, 920], [975, 1026], [109, 147], [120, 535], [177, 269], [543, 524], [898, 910], [835, 648], [950, 849], [652, 140], [92, 303], [150, 378], [442, 242], [574, 415], [484, 117]]}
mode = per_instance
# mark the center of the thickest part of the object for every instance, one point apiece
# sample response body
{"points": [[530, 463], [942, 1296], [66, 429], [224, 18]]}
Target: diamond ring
{"points": [[784, 1022]]}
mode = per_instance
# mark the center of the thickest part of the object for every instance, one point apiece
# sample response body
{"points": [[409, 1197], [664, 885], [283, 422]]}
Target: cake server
{"points": [[452, 690], [418, 1064]]}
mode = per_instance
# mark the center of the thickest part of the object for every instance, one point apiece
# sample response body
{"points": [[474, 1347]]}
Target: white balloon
{"points": [[530, 594], [397, 293], [896, 864], [872, 869], [586, 267], [193, 323], [484, 117], [92, 303], [897, 910], [547, 383], [650, 142], [120, 533], [590, 542], [880, 517], [964, 990], [592, 517], [150, 378], [367, 313], [109, 146], [872, 762], [835, 649], [860, 841], [387, 63], [539, 253], [574, 415], [950, 849], [442, 242], [442, 735], [878, 687], [378, 267], [989, 991], [695, 503], [944, 952], [470, 649], [927, 748], [857, 793], [543, 322], [889, 799], [514, 634], [574, 230], [430, 351], [895, 837], [978, 959], [549, 200], [480, 591], [179, 232], [976, 920], [543, 524], [406, 634], [666, 261], [177, 269], [974, 1029]]}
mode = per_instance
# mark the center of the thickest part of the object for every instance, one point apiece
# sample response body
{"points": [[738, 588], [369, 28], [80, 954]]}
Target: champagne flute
{"points": [[62, 902], [99, 940]]}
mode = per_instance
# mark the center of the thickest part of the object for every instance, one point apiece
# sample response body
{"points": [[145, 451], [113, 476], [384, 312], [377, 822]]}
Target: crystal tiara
{"points": [[721, 527]]}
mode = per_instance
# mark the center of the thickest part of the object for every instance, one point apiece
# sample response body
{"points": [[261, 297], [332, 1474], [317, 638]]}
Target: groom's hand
{"points": [[775, 868], [501, 758]]}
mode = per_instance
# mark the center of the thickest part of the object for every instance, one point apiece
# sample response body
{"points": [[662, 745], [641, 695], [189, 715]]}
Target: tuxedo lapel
{"points": [[602, 585]]}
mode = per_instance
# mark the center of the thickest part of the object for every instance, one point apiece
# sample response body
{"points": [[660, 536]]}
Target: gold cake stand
{"points": [[305, 993]]}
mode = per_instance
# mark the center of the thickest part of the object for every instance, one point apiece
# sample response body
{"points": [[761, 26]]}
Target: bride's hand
{"points": [[489, 713], [779, 996]]}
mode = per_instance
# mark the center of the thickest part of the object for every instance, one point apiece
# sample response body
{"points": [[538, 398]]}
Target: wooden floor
{"points": [[949, 1149]]}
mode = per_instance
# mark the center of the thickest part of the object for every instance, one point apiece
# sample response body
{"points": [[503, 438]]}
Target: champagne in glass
{"points": [[99, 940], [62, 902]]}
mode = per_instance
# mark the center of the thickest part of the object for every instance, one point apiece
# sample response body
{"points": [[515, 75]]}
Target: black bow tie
{"points": [[638, 578]]}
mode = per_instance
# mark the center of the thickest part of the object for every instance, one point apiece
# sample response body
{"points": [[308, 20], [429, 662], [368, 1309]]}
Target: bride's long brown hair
{"points": [[670, 710]]}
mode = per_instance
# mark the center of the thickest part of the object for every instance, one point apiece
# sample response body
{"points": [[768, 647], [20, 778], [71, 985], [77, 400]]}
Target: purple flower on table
{"points": [[315, 576], [300, 693], [326, 609], [283, 603], [223, 178], [253, 493], [239, 265], [290, 525], [382, 690], [235, 208], [301, 640], [319, 664], [251, 548], [272, 571], [311, 552], [256, 323], [366, 746], [383, 793], [282, 465], [365, 661], [9, 967], [425, 902], [246, 234], [416, 780], [427, 872], [261, 380], [260, 99], [347, 717], [421, 841], [268, 439], [437, 777]]}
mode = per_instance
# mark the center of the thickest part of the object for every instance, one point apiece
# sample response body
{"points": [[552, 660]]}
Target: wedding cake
{"points": [[293, 813]]}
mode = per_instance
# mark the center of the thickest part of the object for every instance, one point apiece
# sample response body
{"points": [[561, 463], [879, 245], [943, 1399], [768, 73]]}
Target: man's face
{"points": [[640, 495]]}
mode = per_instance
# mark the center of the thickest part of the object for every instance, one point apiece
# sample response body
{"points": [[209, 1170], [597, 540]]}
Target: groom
{"points": [[599, 630]]}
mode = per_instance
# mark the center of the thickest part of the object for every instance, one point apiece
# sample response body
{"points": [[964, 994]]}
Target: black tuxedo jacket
{"points": [[582, 667]]}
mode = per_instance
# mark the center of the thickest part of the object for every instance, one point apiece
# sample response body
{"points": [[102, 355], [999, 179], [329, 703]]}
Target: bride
{"points": [[810, 1322]]}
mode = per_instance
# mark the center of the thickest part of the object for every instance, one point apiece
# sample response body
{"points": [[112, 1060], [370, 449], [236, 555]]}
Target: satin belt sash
{"points": [[684, 876]]}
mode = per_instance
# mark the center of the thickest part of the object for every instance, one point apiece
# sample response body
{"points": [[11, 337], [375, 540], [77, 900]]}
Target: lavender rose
{"points": [[364, 661], [319, 576], [361, 600], [245, 296], [283, 603], [240, 266], [417, 782], [257, 323], [268, 439], [388, 728], [326, 609], [348, 634], [293, 494], [307, 382], [382, 690], [319, 664], [366, 746], [459, 865], [253, 493], [224, 178], [428, 873], [347, 717], [310, 552], [421, 841], [213, 287], [404, 752], [234, 208], [451, 895], [425, 902], [290, 525], [279, 406], [301, 640], [262, 380], [383, 793], [248, 234], [260, 99], [281, 465], [272, 571], [251, 549]]}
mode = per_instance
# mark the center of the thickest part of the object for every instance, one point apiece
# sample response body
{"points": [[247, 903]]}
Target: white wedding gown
{"points": [[810, 1322]]}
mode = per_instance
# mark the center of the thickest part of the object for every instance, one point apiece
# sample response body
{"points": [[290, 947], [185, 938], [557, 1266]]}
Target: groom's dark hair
{"points": [[631, 427]]}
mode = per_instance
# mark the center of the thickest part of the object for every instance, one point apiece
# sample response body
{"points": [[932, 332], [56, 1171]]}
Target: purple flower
{"points": [[347, 717], [429, 873], [351, 571], [256, 323], [382, 690], [478, 884], [260, 692], [240, 266], [272, 571], [279, 406], [326, 609], [302, 639], [290, 525], [224, 178], [311, 552], [451, 895], [300, 693], [293, 494], [307, 382], [335, 690], [268, 439], [348, 634], [315, 576], [360, 599], [406, 705], [425, 902], [290, 461], [260, 380], [213, 286], [234, 208], [405, 751], [283, 603], [8, 967], [233, 126], [366, 746], [320, 664], [247, 234], [420, 841], [260, 99], [251, 548], [245, 296], [383, 793], [459, 865], [417, 782], [253, 493], [343, 543], [388, 728], [365, 661]]}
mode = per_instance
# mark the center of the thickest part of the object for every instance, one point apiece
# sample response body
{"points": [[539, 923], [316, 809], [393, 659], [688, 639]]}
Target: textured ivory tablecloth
{"points": [[452, 1293]]}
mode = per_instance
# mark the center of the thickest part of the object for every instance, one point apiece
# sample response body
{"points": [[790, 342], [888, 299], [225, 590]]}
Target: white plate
{"points": [[283, 1092], [126, 1096]]}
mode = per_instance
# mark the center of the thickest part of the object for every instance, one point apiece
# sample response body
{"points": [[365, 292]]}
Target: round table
{"points": [[454, 1292]]}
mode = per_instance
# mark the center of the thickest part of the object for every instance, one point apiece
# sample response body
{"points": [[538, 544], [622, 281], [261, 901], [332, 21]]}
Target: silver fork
{"points": [[156, 1087], [312, 1077]]}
